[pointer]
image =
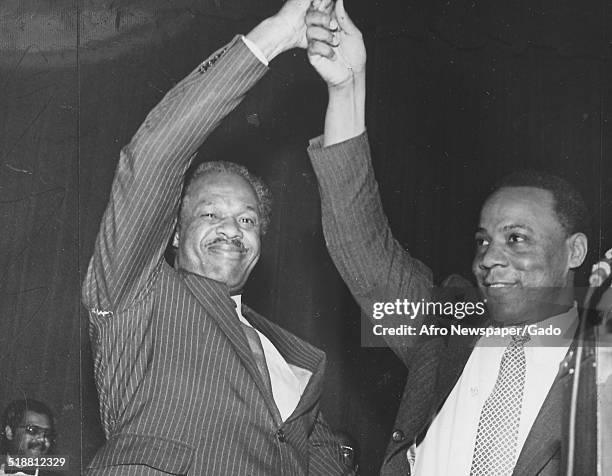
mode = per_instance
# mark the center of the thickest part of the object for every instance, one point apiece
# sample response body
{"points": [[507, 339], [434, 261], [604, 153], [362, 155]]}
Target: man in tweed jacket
{"points": [[529, 241], [179, 385]]}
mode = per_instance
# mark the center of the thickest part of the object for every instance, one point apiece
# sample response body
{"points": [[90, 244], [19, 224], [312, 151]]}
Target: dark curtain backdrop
{"points": [[459, 94], [40, 329]]}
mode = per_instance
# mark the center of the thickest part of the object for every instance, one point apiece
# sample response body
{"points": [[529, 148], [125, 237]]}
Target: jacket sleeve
{"points": [[146, 191], [372, 263]]}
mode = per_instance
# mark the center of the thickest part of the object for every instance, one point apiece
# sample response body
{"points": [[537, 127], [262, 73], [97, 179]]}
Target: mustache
{"points": [[236, 242], [35, 445]]}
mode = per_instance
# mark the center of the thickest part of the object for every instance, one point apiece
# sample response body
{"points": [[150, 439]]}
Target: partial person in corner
{"points": [[190, 380], [28, 433], [466, 409]]}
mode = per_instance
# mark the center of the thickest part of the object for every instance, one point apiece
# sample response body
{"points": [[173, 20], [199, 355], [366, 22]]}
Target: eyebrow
{"points": [[517, 225], [506, 228], [38, 426], [254, 209]]}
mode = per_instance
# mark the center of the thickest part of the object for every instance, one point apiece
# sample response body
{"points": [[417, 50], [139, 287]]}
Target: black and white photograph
{"points": [[305, 238]]}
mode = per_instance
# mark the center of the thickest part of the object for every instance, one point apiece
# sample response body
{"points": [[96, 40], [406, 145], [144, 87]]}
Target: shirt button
{"points": [[280, 434], [398, 436]]}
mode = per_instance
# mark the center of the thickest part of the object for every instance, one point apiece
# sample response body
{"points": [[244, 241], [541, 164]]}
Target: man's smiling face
{"points": [[523, 255], [32, 438], [219, 231]]}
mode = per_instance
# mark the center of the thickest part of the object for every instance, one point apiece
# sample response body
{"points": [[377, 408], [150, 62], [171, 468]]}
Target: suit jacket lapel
{"points": [[215, 298], [295, 351]]}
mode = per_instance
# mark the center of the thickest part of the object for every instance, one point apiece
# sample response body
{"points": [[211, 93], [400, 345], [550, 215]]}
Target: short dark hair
{"points": [[264, 196], [14, 414], [568, 204], [16, 410]]}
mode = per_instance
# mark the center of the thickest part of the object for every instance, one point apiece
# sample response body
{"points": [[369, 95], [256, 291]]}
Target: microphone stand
{"points": [[602, 354]]}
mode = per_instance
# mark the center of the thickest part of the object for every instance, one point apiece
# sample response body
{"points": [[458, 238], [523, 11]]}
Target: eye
{"points": [[516, 238], [208, 215], [247, 221], [481, 241]]}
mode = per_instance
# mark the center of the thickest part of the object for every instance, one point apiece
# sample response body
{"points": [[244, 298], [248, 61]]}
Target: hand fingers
{"points": [[322, 35], [322, 5], [316, 18], [319, 48], [344, 21]]}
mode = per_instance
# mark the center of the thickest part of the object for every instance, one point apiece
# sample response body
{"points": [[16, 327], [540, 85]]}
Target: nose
{"points": [[229, 228], [491, 256], [41, 438]]}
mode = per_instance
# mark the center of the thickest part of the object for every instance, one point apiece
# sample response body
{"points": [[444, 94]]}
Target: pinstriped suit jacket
{"points": [[179, 389], [377, 269]]}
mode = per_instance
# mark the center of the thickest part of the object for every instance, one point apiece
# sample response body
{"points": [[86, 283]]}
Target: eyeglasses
{"points": [[38, 431]]}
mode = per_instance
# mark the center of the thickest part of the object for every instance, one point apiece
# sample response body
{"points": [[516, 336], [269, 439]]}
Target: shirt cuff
{"points": [[357, 141], [255, 50]]}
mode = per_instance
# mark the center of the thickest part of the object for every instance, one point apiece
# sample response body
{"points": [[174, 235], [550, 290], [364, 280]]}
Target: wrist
{"points": [[353, 88], [272, 36], [345, 117]]}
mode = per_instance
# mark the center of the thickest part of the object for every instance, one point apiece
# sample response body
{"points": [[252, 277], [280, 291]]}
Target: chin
{"points": [[231, 281], [222, 274], [234, 286], [502, 314], [35, 453], [525, 312]]}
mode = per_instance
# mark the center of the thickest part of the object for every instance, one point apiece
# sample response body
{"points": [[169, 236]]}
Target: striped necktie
{"points": [[258, 354]]}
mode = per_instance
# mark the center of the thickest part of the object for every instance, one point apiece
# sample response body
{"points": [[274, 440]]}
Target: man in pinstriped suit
{"points": [[181, 384]]}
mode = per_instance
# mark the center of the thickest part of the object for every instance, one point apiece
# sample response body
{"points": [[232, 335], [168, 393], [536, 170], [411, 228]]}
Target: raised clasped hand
{"points": [[291, 20], [335, 45]]}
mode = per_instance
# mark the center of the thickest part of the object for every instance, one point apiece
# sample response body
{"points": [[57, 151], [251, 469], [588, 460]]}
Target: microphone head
{"points": [[599, 273]]}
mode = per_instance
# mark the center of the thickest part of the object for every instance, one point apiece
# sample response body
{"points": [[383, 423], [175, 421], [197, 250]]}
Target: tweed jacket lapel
{"points": [[215, 298], [414, 411], [546, 434], [452, 363], [452, 358], [437, 365], [457, 350], [543, 439]]}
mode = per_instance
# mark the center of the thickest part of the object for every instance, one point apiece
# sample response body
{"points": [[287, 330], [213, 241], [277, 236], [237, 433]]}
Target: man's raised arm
{"points": [[146, 191], [373, 264]]}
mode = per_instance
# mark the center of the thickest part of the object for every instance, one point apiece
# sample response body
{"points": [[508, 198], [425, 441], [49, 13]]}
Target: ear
{"points": [[175, 239], [8, 432], [578, 247]]}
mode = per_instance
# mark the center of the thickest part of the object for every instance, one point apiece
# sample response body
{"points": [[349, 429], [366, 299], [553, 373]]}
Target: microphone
{"points": [[601, 270], [600, 273]]}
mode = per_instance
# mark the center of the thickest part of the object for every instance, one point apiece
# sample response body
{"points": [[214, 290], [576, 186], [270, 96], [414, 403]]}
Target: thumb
{"points": [[344, 21]]}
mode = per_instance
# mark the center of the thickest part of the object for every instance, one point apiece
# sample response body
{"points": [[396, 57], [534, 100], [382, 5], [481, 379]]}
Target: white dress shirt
{"points": [[288, 381], [255, 50], [448, 446]]}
